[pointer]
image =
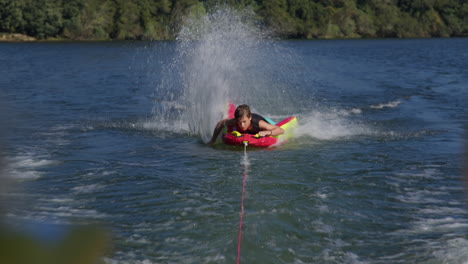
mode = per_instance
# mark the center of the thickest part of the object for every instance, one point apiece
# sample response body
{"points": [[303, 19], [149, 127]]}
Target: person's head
{"points": [[243, 117]]}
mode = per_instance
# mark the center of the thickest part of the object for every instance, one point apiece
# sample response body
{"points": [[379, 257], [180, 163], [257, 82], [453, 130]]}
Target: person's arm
{"points": [[269, 129], [219, 127]]}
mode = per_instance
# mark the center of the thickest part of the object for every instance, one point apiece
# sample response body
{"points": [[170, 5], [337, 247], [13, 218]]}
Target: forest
{"points": [[303, 19]]}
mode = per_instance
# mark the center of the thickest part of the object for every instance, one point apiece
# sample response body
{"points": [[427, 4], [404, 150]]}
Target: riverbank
{"points": [[15, 37]]}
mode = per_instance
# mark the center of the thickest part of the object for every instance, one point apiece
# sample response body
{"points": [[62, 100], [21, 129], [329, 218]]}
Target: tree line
{"points": [[160, 19]]}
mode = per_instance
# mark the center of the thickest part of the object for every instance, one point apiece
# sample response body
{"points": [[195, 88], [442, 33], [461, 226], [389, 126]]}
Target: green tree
{"points": [[161, 19], [462, 13], [365, 26], [72, 23], [154, 18], [276, 15], [449, 12], [185, 11], [43, 18], [385, 18], [126, 20], [11, 16]]}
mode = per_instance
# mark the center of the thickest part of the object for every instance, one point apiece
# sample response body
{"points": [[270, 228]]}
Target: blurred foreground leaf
{"points": [[82, 245]]}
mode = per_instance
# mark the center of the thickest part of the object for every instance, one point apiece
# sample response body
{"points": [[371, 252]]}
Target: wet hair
{"points": [[242, 110]]}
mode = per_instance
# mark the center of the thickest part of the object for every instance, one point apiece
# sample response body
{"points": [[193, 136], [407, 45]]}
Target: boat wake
{"points": [[330, 125]]}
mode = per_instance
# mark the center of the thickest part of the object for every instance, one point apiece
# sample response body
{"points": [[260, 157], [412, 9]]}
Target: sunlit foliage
{"points": [[161, 19]]}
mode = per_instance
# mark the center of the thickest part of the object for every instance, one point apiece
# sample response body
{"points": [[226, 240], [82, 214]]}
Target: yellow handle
{"points": [[236, 133]]}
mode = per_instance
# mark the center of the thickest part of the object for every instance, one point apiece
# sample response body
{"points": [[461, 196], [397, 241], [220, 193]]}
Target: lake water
{"points": [[113, 133]]}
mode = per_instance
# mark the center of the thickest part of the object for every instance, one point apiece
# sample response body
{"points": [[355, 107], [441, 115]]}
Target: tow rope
{"points": [[245, 162]]}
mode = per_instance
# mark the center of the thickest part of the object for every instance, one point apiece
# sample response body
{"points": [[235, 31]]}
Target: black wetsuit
{"points": [[255, 124]]}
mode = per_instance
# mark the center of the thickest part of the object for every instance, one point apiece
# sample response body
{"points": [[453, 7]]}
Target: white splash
{"points": [[26, 167], [221, 57], [391, 104], [330, 125]]}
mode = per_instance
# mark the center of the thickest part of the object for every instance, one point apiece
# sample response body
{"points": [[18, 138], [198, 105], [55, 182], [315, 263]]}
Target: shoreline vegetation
{"points": [[100, 20]]}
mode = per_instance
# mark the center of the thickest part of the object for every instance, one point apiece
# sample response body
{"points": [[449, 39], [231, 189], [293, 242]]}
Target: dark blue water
{"points": [[107, 133]]}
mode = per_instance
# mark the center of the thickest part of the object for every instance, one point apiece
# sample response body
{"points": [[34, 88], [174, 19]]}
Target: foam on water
{"points": [[26, 167], [137, 239], [455, 250], [177, 127], [87, 188], [330, 125], [437, 214], [391, 104], [57, 215], [116, 261], [160, 129]]}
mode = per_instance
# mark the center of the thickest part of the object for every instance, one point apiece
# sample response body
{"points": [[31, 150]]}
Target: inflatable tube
{"points": [[237, 138]]}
